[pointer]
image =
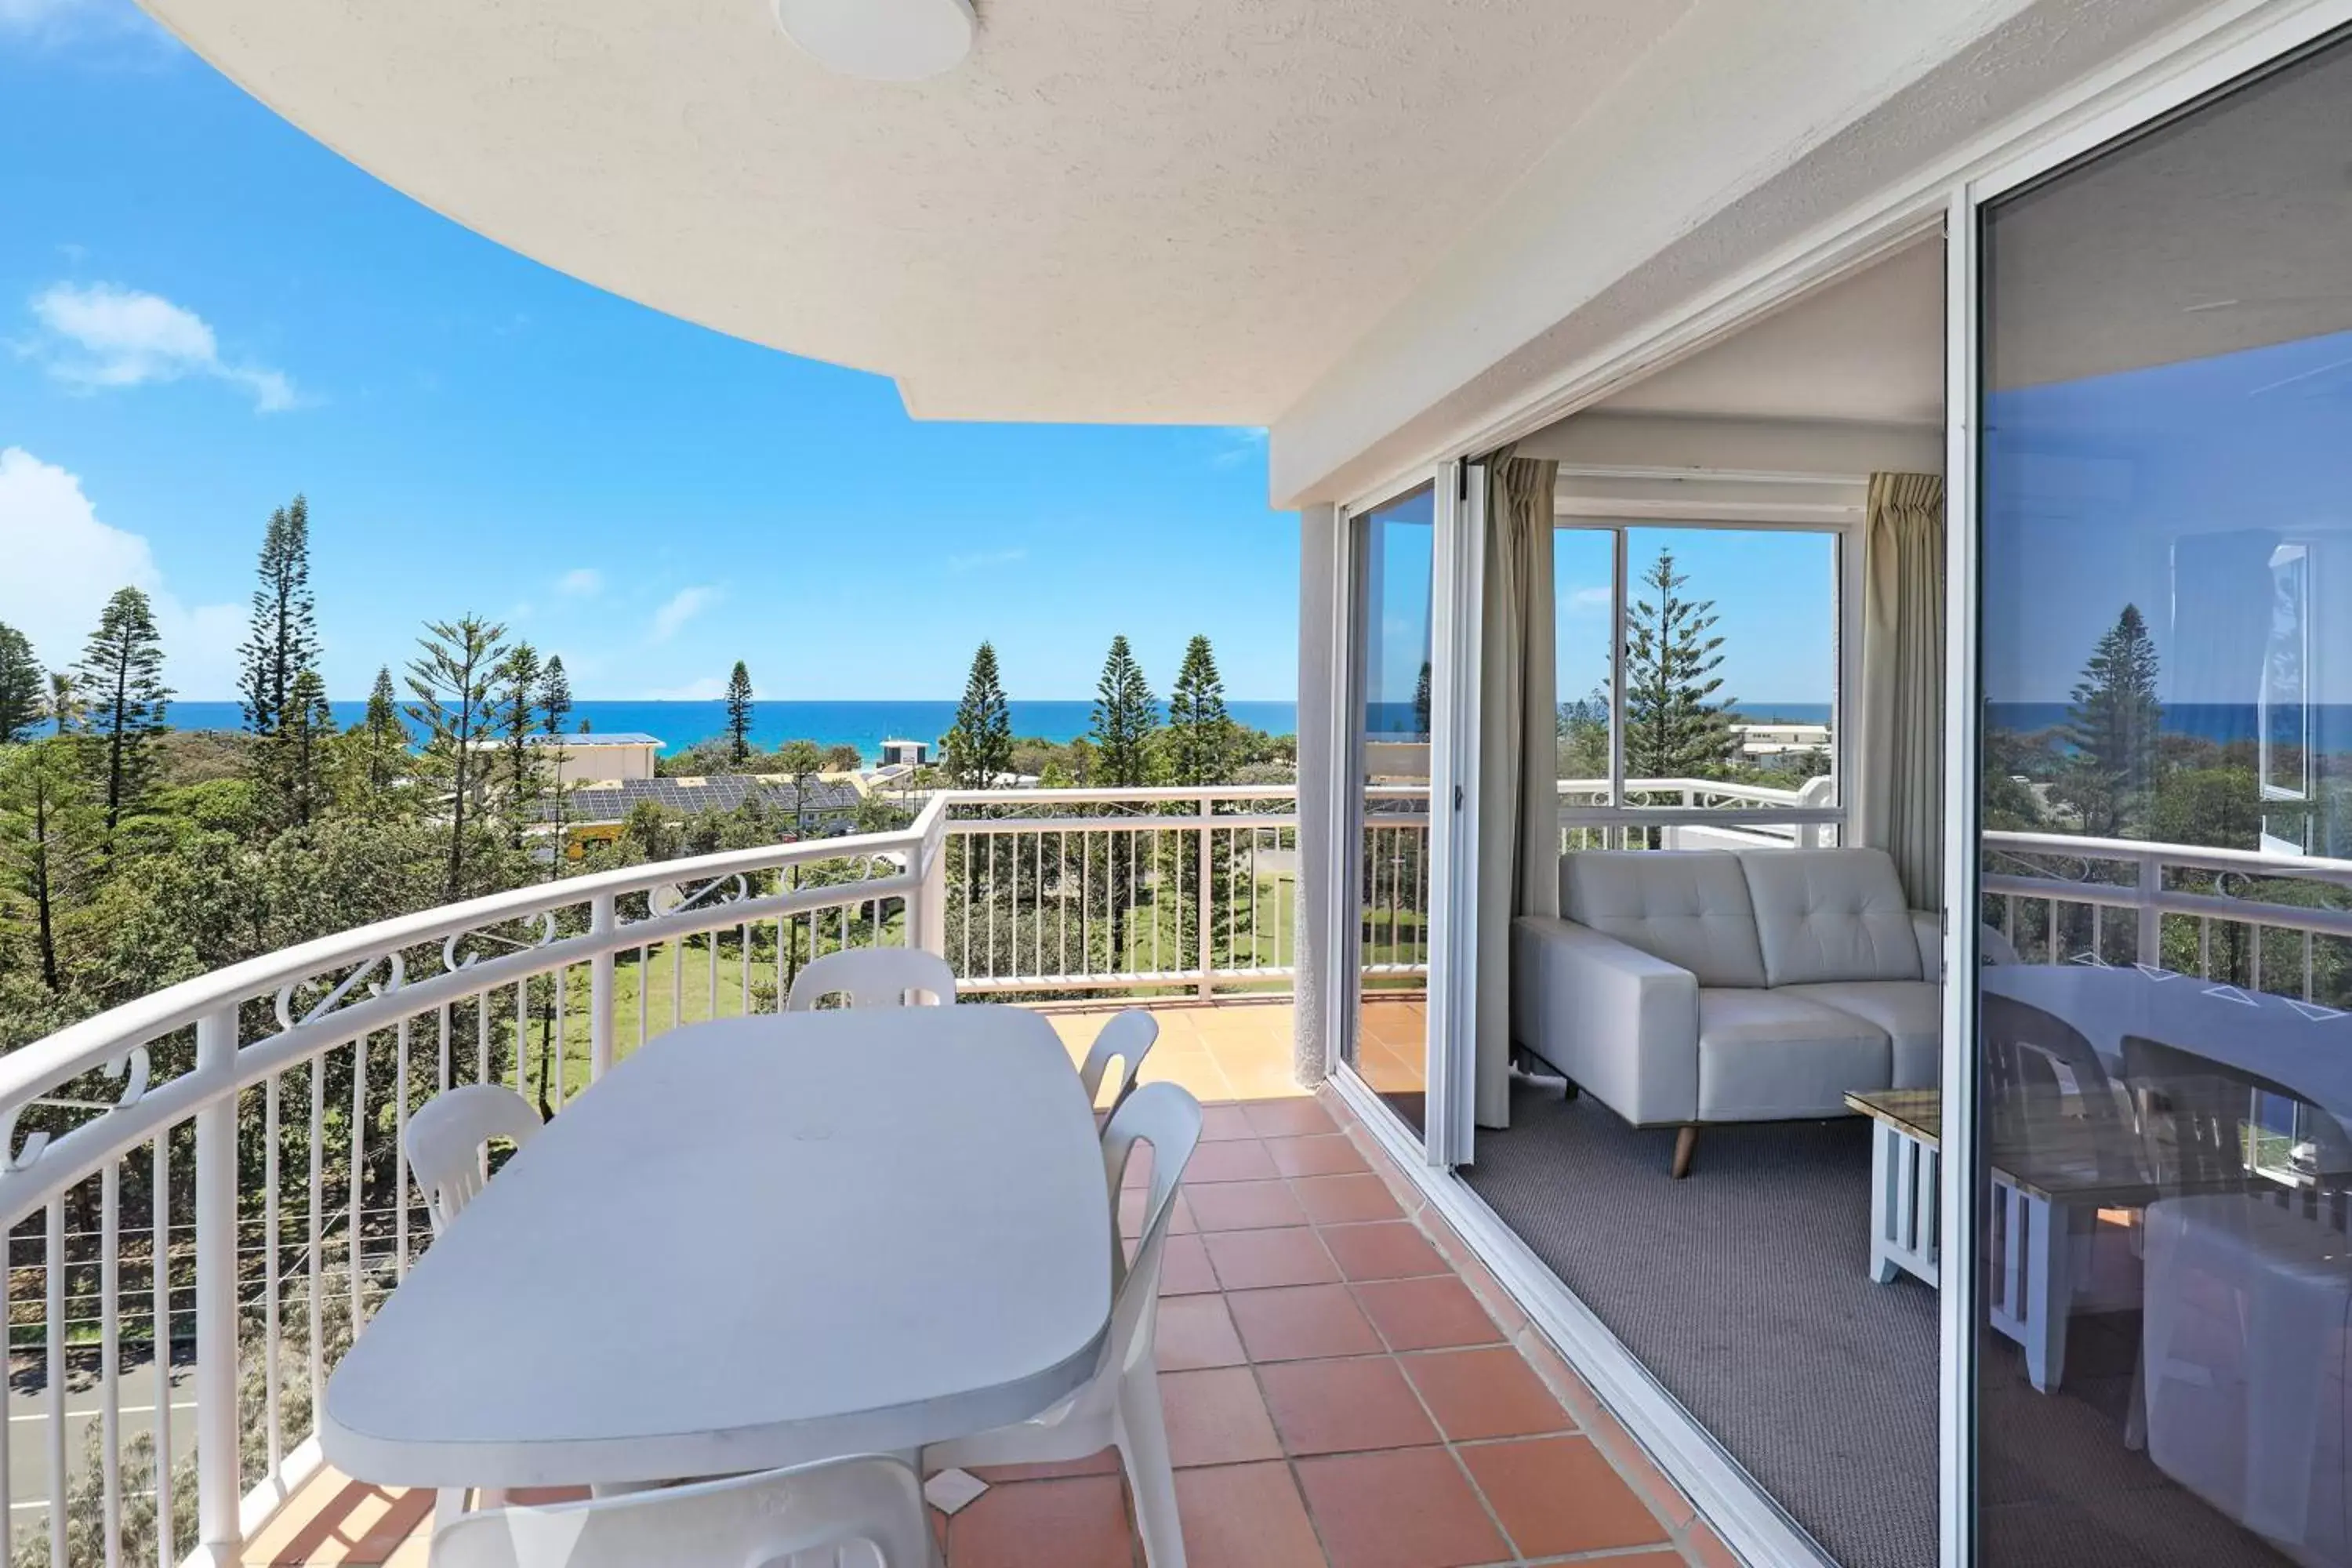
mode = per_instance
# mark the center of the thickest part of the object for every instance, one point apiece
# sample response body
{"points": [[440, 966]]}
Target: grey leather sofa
{"points": [[1692, 986]]}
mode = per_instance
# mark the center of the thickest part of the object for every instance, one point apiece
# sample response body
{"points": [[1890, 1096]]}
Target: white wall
{"points": [[1321, 689]]}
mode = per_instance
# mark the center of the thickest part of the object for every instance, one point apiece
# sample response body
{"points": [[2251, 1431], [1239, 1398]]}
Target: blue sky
{"points": [[202, 311], [1775, 598]]}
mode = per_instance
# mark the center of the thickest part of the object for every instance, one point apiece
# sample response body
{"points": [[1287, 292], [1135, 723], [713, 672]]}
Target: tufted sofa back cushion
{"points": [[1688, 907], [1829, 915]]}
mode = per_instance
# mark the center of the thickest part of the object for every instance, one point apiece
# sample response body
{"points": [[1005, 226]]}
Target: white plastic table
{"points": [[756, 1242]]}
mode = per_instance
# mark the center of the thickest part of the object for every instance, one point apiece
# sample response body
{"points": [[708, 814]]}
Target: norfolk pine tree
{"points": [[383, 742], [739, 714], [979, 746], [22, 685], [1200, 735], [1676, 726], [450, 681], [516, 699], [2113, 723], [556, 713], [300, 741], [122, 672], [1126, 714], [283, 638], [1199, 747], [48, 827]]}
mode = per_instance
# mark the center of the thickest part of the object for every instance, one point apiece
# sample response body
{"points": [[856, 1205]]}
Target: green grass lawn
{"points": [[704, 977]]}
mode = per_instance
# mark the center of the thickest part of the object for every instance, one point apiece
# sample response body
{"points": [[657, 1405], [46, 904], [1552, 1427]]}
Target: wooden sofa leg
{"points": [[1685, 1142]]}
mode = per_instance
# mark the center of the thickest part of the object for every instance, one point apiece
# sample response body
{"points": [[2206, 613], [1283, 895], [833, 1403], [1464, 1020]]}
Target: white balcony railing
{"points": [[2267, 922], [205, 1197], [205, 1193]]}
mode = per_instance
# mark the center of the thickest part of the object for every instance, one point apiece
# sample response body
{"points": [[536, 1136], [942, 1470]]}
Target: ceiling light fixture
{"points": [[881, 40]]}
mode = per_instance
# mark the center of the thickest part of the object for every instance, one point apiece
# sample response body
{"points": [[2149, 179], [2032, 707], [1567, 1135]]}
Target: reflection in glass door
{"points": [[1394, 548], [2164, 1174]]}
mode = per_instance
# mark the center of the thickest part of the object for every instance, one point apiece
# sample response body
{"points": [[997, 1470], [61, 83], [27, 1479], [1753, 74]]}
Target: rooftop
{"points": [[613, 738], [612, 800]]}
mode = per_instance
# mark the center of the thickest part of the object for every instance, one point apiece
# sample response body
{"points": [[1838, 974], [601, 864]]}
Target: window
{"points": [[1698, 683]]}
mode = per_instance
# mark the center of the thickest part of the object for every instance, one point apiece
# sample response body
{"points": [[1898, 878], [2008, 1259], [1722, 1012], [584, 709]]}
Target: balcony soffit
{"points": [[1176, 211]]}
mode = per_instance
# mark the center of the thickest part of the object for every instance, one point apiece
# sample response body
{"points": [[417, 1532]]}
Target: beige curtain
{"points": [[1901, 758], [1517, 751]]}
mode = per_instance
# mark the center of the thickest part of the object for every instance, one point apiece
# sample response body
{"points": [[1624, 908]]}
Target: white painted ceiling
{"points": [[1176, 210], [1867, 348]]}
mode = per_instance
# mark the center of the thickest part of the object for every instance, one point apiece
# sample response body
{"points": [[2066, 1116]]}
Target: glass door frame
{"points": [[2213, 64], [1457, 587]]}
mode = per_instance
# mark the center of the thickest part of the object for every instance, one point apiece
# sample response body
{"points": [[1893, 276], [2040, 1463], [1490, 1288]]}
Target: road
{"points": [[29, 1420]]}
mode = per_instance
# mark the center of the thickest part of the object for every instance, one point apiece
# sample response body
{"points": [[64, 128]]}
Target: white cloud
{"points": [[679, 608], [710, 689], [959, 565], [100, 335], [1241, 444], [1592, 598], [581, 583], [64, 565]]}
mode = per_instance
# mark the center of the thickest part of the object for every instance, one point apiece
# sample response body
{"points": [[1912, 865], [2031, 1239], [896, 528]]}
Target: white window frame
{"points": [[1456, 569], [1846, 534]]}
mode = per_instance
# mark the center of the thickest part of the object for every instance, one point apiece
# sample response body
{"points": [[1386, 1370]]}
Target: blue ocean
{"points": [[865, 725]]}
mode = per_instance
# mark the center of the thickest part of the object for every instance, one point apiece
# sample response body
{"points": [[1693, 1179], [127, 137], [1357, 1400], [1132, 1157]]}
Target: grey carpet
{"points": [[1745, 1290]]}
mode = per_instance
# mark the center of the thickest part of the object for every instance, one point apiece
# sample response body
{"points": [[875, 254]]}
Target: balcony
{"points": [[1329, 1345], [1341, 1376]]}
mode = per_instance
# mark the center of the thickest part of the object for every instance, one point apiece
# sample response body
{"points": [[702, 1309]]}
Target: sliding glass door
{"points": [[1394, 545], [2162, 1057]]}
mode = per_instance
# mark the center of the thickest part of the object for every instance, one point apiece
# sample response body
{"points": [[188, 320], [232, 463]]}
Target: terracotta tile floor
{"points": [[1345, 1386]]}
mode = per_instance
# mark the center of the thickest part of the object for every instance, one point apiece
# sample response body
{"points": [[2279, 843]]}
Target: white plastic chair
{"points": [[446, 1138], [865, 1512], [872, 977], [1127, 1040], [1119, 1405]]}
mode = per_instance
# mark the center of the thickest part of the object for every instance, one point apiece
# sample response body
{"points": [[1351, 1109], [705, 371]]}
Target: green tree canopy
{"points": [[122, 673], [979, 746], [1126, 714], [1675, 725], [22, 686]]}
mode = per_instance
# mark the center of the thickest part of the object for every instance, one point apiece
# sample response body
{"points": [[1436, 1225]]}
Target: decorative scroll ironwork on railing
{"points": [[157, 1231]]}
